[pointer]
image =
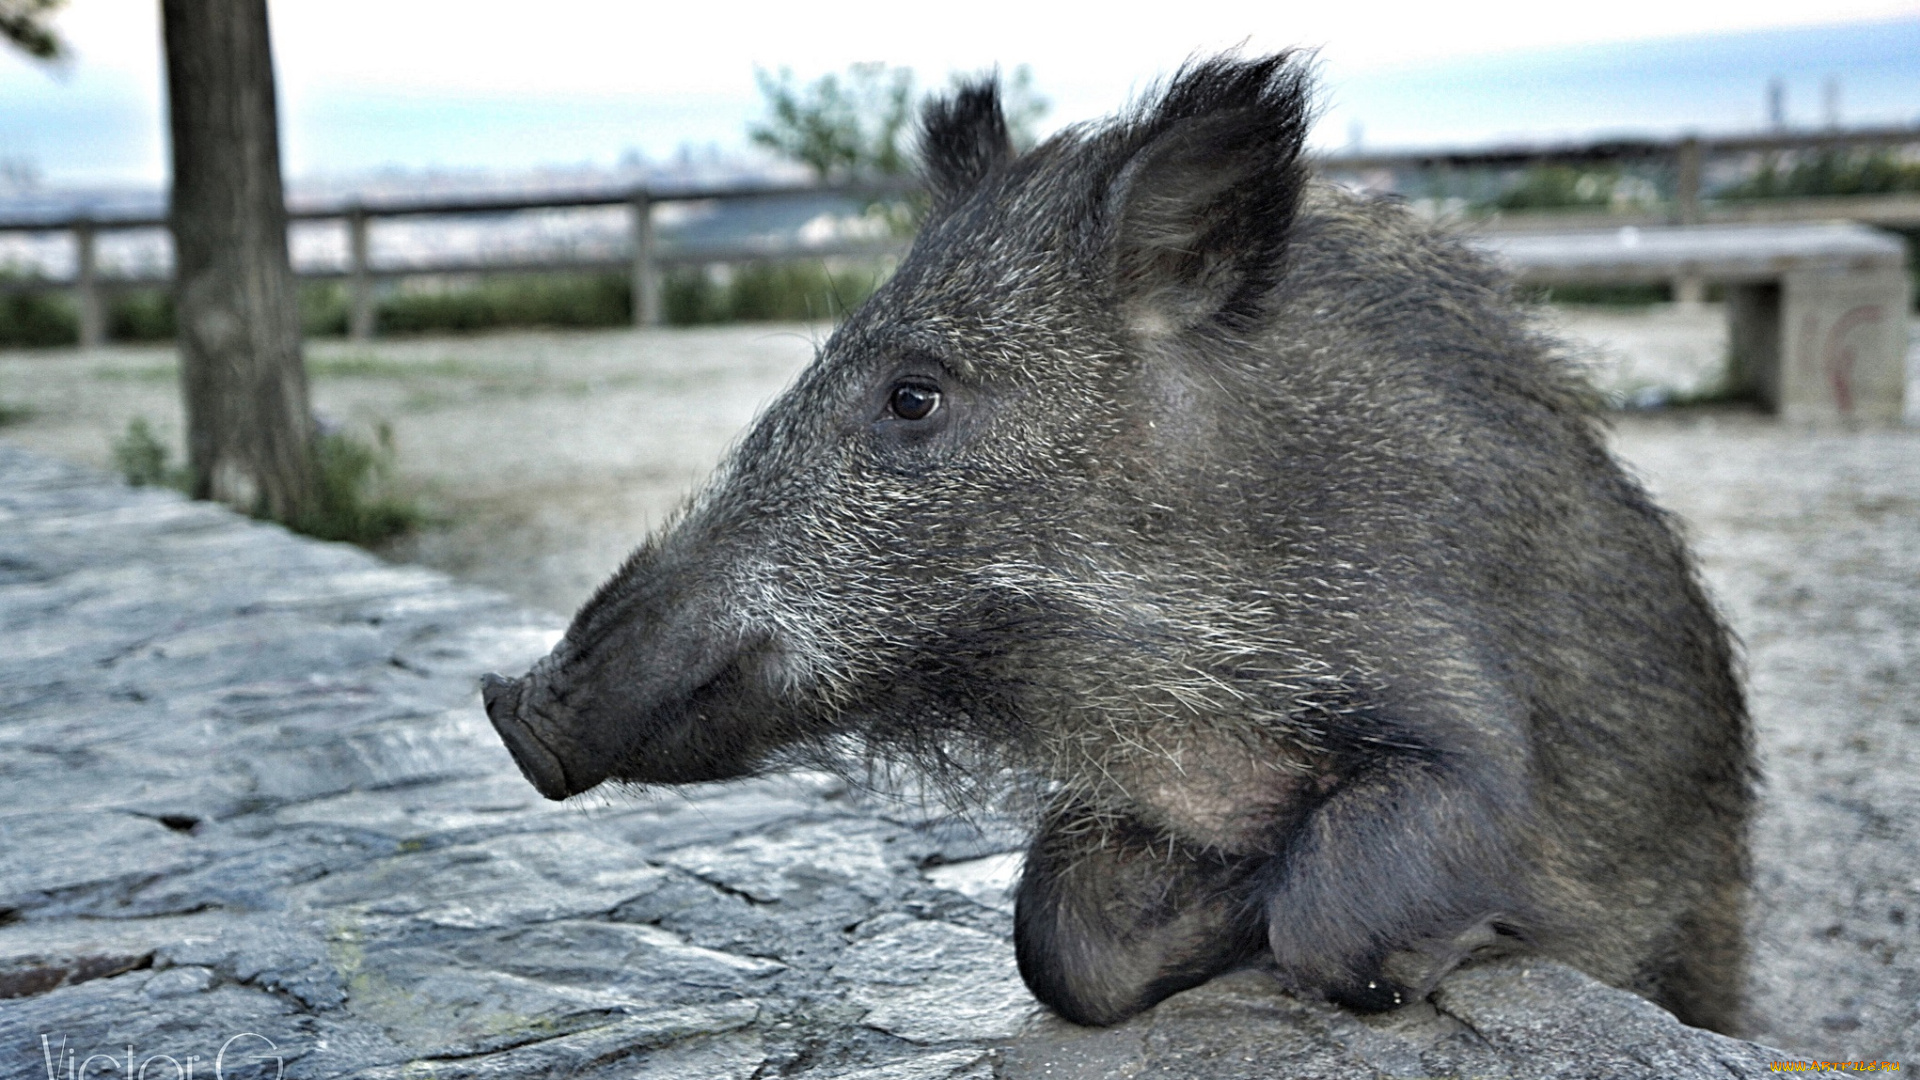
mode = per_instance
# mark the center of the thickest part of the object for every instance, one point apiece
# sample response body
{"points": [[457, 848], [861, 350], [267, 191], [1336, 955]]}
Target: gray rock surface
{"points": [[253, 819]]}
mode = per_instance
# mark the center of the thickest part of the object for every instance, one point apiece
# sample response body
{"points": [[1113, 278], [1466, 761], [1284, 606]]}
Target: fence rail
{"points": [[647, 258], [1686, 157]]}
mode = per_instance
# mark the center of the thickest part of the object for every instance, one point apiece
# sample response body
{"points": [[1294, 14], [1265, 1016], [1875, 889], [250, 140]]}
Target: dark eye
{"points": [[911, 401]]}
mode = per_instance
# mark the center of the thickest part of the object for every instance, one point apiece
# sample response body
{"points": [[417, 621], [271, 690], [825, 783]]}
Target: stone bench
{"points": [[1816, 313]]}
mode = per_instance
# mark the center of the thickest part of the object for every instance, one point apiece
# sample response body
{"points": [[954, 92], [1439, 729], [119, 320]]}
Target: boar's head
{"points": [[1008, 513]]}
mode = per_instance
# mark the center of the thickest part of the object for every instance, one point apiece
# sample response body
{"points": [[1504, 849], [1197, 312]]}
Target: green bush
{"points": [[37, 319], [357, 500], [325, 307], [1555, 187], [566, 300], [141, 315], [1637, 295], [760, 292], [692, 298], [147, 314], [1828, 172], [142, 458]]}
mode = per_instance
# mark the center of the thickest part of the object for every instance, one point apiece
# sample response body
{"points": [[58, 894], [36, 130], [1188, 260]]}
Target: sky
{"points": [[508, 86]]}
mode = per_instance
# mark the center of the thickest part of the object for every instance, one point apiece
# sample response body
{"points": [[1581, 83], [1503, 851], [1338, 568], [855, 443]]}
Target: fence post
{"points": [[360, 319], [1688, 289], [1686, 189], [86, 280], [646, 276]]}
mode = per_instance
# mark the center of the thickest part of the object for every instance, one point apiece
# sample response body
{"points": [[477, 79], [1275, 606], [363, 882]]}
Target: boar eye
{"points": [[912, 401]]}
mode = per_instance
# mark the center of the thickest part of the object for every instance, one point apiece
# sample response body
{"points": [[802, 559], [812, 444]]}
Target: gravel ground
{"points": [[1811, 543], [545, 457]]}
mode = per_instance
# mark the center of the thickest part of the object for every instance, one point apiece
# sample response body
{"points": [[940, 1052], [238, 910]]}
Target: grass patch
{"points": [[1714, 395], [369, 366], [15, 414], [1560, 187], [1652, 399], [142, 458], [358, 501], [43, 319], [353, 366], [142, 373]]}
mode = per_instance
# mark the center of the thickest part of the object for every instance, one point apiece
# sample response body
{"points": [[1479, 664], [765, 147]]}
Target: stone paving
{"points": [[255, 824]]}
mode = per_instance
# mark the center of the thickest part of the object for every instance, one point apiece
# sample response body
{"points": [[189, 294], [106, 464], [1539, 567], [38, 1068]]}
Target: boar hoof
{"points": [[1373, 994]]}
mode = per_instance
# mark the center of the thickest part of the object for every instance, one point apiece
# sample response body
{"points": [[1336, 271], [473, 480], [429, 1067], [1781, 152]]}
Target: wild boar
{"points": [[1249, 523]]}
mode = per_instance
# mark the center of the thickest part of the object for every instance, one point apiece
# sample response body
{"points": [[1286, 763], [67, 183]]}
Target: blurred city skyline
{"points": [[422, 87]]}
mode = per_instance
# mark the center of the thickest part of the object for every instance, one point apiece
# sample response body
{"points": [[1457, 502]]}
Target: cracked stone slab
{"points": [[1511, 1018], [933, 982], [789, 862], [499, 881], [621, 1049], [987, 881], [636, 962], [63, 858], [939, 1065], [1565, 1025]]}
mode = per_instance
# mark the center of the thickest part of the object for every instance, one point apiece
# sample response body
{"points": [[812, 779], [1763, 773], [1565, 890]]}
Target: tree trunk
{"points": [[249, 428]]}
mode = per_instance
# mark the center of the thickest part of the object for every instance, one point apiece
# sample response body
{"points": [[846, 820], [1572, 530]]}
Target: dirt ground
{"points": [[543, 458]]}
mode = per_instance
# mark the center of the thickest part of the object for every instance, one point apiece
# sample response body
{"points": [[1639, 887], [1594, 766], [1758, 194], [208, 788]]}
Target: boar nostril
{"points": [[537, 761], [493, 686]]}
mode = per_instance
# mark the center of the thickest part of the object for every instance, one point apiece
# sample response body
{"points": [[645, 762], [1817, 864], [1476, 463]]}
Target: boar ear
{"points": [[1201, 205], [962, 137]]}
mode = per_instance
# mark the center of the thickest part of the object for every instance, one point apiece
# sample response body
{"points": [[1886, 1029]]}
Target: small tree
{"points": [[839, 126], [861, 123], [24, 23]]}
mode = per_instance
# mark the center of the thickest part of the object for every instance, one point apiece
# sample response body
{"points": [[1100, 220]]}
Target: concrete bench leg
{"points": [[1823, 345]]}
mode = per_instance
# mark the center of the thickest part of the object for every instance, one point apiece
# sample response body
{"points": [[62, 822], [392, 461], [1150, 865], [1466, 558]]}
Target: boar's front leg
{"points": [[1403, 868], [1111, 916], [1406, 867]]}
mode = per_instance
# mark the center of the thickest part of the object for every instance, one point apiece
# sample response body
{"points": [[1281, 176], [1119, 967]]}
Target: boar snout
{"points": [[642, 690], [534, 729]]}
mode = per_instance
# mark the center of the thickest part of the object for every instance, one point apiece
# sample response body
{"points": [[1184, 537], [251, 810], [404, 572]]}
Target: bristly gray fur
{"points": [[1255, 534]]}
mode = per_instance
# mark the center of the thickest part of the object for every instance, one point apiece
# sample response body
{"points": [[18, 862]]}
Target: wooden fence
{"points": [[1686, 158], [644, 263]]}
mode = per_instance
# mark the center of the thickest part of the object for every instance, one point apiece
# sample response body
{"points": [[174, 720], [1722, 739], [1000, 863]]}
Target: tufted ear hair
{"points": [[962, 137], [1202, 199]]}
